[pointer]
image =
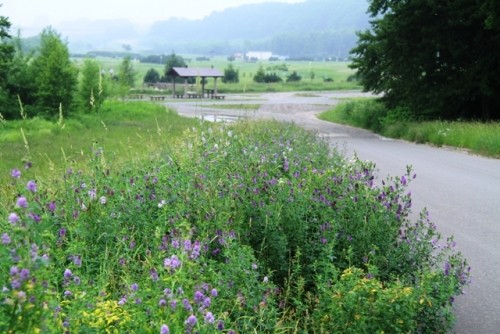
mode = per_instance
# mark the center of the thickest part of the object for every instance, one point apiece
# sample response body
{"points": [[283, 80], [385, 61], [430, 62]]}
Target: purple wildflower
{"points": [[16, 284], [164, 329], [22, 202], [286, 165], [220, 325], [196, 250], [31, 186], [198, 296], [13, 218], [77, 260], [5, 239], [191, 321], [134, 287], [24, 274], [187, 245], [67, 273], [214, 292], [206, 302], [154, 275], [68, 293], [162, 303], [14, 271], [173, 304], [187, 304], [76, 280], [51, 206], [209, 318], [35, 217], [62, 232], [447, 268], [15, 173], [172, 262]]}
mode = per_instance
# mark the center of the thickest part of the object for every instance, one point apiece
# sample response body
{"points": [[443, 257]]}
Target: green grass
{"points": [[477, 137], [131, 131]]}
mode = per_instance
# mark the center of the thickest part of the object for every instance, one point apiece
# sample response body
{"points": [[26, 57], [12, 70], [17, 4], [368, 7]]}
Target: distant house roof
{"points": [[190, 72]]}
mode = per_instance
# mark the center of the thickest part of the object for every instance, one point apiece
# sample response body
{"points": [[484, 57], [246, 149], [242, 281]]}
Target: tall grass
{"points": [[131, 130], [478, 137]]}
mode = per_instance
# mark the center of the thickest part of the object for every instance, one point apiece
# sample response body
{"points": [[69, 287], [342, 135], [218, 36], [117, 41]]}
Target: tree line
{"points": [[433, 59], [45, 82]]}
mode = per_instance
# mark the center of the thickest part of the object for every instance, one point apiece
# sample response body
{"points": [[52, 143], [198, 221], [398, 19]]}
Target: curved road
{"points": [[461, 191]]}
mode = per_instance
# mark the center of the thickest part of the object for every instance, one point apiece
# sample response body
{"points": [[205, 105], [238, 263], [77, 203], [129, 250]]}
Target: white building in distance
{"points": [[259, 55]]}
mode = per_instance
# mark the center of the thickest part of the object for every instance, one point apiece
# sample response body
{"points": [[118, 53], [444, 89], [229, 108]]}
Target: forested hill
{"points": [[311, 28]]}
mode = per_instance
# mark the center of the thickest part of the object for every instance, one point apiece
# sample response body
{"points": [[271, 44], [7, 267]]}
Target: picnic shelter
{"points": [[194, 72]]}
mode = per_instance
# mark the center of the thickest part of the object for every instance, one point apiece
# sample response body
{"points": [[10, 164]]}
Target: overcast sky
{"points": [[26, 14]]}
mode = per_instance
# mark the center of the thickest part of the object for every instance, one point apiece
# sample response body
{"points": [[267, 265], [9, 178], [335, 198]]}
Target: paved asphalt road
{"points": [[461, 191]]}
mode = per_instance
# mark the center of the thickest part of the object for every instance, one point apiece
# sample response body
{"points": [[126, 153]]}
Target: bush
{"points": [[241, 228], [294, 77]]}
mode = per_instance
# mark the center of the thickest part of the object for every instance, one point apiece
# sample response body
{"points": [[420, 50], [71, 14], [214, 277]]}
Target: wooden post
{"points": [[173, 86], [202, 87], [185, 85], [215, 86]]}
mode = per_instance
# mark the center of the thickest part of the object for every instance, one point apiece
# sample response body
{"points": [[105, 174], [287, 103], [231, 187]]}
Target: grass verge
{"points": [[477, 137], [131, 131]]}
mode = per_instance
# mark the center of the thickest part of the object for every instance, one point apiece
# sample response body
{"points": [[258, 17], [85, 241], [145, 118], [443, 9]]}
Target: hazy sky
{"points": [[41, 13]]}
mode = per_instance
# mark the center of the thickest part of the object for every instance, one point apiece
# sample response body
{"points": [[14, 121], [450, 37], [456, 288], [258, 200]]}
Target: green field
{"points": [[339, 72]]}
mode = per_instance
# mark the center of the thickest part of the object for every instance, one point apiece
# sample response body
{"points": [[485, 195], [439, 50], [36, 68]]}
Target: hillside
{"points": [[313, 29]]}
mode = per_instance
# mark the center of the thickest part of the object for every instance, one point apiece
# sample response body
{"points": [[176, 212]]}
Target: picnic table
{"points": [[193, 95], [157, 97]]}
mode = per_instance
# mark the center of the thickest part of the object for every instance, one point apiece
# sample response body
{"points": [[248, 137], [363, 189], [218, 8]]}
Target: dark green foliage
{"points": [[54, 75], [231, 75], [174, 60], [293, 77], [439, 59], [126, 73], [263, 77], [153, 59], [152, 76]]}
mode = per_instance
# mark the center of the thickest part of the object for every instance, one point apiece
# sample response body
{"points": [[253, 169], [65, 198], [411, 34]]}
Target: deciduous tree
{"points": [[54, 75], [439, 59]]}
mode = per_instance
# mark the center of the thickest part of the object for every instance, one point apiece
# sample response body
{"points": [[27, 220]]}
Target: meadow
{"points": [[149, 222], [338, 72]]}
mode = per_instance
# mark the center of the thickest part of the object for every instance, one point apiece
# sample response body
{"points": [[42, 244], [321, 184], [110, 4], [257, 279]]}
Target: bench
{"points": [[157, 98], [218, 97], [136, 96], [193, 95]]}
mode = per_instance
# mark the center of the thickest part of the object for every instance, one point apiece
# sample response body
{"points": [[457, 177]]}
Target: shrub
{"points": [[293, 77], [242, 228]]}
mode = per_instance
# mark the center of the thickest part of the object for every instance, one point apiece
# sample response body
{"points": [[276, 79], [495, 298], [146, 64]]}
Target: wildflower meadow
{"points": [[253, 227]]}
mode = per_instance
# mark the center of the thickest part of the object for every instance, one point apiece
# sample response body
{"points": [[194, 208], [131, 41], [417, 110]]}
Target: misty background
{"points": [[311, 29]]}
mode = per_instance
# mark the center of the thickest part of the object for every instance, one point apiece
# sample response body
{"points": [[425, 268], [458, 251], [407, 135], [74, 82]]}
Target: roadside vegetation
{"points": [[477, 137], [128, 131], [252, 227], [120, 216]]}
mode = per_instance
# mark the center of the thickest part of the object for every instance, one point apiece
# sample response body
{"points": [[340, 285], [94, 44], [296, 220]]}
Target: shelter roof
{"points": [[193, 72]]}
